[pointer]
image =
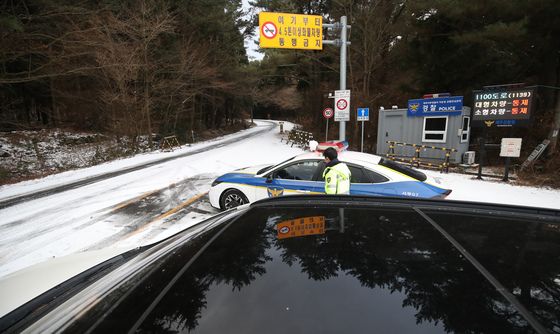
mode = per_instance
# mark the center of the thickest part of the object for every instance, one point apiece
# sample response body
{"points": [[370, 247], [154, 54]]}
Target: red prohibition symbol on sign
{"points": [[269, 30], [341, 104], [328, 113]]}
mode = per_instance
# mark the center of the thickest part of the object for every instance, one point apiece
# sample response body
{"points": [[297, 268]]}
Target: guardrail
{"points": [[299, 137], [417, 161]]}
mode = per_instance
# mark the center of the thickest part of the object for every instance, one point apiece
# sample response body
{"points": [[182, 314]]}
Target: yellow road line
{"points": [[134, 200], [166, 214], [180, 206]]}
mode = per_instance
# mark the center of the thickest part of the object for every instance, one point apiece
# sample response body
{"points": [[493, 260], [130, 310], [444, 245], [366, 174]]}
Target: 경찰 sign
{"points": [[290, 31], [502, 108], [449, 105]]}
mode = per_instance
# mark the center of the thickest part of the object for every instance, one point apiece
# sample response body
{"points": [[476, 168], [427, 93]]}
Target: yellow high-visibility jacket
{"points": [[337, 179]]}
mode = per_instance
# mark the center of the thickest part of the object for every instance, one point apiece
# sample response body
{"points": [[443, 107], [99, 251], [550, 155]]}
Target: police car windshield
{"points": [[267, 168]]}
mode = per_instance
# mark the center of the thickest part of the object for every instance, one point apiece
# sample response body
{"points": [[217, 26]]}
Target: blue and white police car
{"points": [[303, 174]]}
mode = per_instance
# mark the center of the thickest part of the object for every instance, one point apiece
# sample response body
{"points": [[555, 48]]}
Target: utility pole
{"points": [[343, 44], [343, 37]]}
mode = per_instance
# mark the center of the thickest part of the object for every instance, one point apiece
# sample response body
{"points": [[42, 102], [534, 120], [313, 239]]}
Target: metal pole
{"points": [[343, 34], [506, 172], [327, 131], [362, 146], [482, 151]]}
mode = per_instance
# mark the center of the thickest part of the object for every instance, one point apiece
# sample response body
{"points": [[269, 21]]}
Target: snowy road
{"points": [[130, 209], [4, 203], [149, 204]]}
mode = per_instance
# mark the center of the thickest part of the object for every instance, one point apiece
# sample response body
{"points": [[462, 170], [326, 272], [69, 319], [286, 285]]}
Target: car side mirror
{"points": [[269, 178]]}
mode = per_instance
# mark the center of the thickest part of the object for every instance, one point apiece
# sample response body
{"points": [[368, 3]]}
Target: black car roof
{"points": [[350, 264]]}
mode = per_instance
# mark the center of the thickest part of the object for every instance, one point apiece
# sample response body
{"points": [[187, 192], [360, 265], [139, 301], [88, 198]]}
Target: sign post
{"points": [[343, 35], [297, 31], [481, 152], [511, 147], [363, 115], [501, 106], [343, 44], [327, 113]]}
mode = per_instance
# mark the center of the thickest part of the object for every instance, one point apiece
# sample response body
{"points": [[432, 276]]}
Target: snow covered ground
{"points": [[101, 214]]}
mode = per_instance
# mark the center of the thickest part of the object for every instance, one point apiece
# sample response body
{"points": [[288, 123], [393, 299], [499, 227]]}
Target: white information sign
{"points": [[511, 147], [342, 105]]}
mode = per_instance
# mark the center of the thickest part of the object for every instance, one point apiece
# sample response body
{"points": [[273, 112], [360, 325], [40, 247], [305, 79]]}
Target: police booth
{"points": [[439, 124]]}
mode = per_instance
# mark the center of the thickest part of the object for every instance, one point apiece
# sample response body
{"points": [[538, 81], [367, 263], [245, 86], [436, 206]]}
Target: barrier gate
{"points": [[298, 137], [416, 160]]}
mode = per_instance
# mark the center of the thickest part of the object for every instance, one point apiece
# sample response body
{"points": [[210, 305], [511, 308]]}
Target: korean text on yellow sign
{"points": [[300, 227], [291, 31]]}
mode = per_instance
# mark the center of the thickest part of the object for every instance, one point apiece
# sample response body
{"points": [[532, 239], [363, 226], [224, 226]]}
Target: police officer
{"points": [[336, 174]]}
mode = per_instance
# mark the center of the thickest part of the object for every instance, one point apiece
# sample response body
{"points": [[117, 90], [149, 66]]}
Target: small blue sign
{"points": [[449, 105], [506, 122], [363, 114]]}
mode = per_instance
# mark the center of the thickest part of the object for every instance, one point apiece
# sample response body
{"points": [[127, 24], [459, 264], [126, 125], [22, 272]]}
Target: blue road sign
{"points": [[363, 114], [450, 105]]}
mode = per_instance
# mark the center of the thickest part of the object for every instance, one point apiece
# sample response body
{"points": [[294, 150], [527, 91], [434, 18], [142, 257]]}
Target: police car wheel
{"points": [[232, 198]]}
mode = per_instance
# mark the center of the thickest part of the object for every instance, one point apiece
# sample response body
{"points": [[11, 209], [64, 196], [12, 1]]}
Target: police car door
{"points": [[291, 179], [362, 181]]}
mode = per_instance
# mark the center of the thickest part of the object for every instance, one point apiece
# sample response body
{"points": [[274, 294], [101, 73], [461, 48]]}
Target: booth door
{"points": [[393, 131]]}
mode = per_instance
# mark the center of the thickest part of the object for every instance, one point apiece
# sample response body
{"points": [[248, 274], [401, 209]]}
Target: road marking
{"points": [[134, 200], [180, 206], [164, 215]]}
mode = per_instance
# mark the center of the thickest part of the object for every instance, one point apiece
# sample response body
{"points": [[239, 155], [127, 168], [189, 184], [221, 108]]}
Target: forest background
{"points": [[144, 69]]}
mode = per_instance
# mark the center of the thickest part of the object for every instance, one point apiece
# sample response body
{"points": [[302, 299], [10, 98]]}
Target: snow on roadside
{"points": [[81, 219], [468, 188]]}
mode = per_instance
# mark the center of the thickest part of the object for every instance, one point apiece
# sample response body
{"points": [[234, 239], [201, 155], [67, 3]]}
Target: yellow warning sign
{"points": [[300, 227], [290, 31]]}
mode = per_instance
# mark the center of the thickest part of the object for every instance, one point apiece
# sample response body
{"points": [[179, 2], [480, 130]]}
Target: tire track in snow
{"points": [[125, 219], [149, 211]]}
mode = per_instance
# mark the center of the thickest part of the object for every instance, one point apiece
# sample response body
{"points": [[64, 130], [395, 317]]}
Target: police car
{"points": [[303, 174]]}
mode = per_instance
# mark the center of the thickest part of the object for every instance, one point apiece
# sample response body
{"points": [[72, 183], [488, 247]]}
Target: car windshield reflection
{"points": [[391, 262]]}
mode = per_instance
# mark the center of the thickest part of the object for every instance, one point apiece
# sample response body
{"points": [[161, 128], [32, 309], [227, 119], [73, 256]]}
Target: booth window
{"points": [[465, 130], [435, 129]]}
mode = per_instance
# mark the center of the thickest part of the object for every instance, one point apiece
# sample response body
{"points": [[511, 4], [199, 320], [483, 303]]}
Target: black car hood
{"points": [[325, 265]]}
